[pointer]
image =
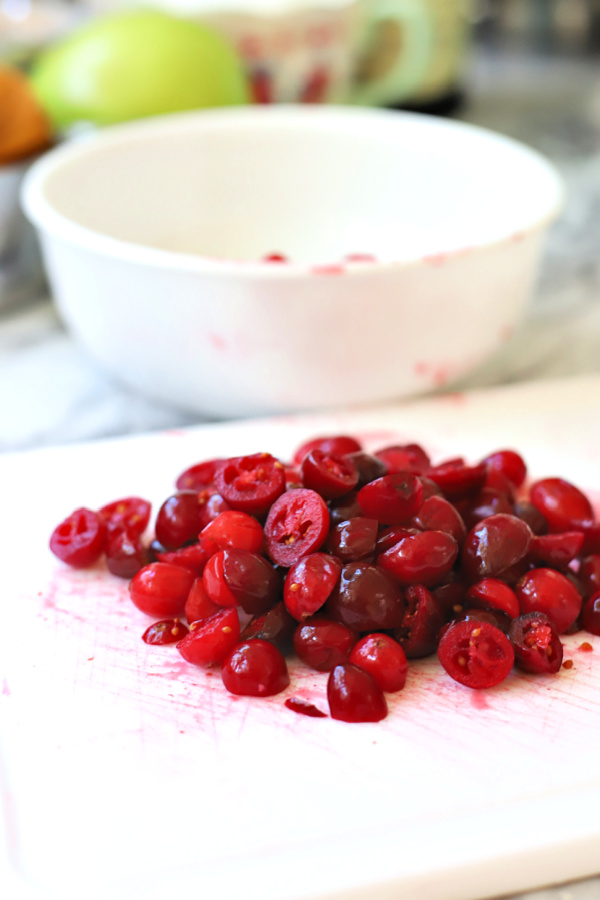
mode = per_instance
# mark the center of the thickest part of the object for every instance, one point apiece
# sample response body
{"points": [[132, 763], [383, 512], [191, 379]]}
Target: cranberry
{"points": [[199, 476], [161, 589], [125, 554], [421, 623], [233, 528], [591, 539], [556, 550], [131, 514], [179, 520], [589, 573], [390, 536], [276, 625], [404, 458], [591, 614], [486, 502], [451, 593], [563, 505], [476, 654], [252, 580], [293, 479], [384, 658], [392, 499], [323, 644], [550, 592], [492, 616], [169, 631], [366, 598], [353, 539], [198, 605], [255, 668], [193, 556], [430, 488], [493, 545], [297, 705], [438, 514], [213, 579], [212, 505], [211, 640], [458, 480], [354, 695], [423, 558], [337, 445], [309, 583], [509, 463], [344, 508], [368, 467], [79, 540], [328, 475], [297, 524], [491, 593], [537, 646], [251, 483], [525, 510]]}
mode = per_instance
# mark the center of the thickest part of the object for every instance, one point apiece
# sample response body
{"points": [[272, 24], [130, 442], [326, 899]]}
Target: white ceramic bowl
{"points": [[154, 234]]}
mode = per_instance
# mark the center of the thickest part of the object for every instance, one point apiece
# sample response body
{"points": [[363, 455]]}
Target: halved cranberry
{"points": [[179, 520], [276, 625], [493, 545], [390, 536], [458, 480], [563, 505], [161, 589], [309, 583], [323, 644], [338, 445], [251, 483], [422, 621], [209, 641], [590, 617], [491, 593], [354, 695], [392, 499], [556, 550], [130, 514], [212, 505], [451, 592], [328, 475], [198, 476], [213, 579], [169, 631], [125, 554], [297, 705], [234, 528], [198, 605], [423, 558], [255, 668], [252, 580], [438, 514], [79, 540], [193, 556], [537, 646], [525, 510], [476, 654], [430, 488], [591, 539], [492, 616], [366, 598], [550, 592], [509, 463], [297, 524], [404, 458], [486, 502], [384, 658], [353, 539], [368, 466]]}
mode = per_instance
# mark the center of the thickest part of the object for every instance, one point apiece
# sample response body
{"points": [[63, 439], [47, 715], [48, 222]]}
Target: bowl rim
{"points": [[45, 217]]}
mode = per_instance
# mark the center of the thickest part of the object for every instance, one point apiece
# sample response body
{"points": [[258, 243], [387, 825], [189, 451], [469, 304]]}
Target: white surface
{"points": [[122, 761]]}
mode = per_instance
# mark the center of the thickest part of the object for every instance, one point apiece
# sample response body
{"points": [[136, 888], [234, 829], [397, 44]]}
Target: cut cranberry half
{"points": [[476, 654], [538, 648], [590, 617], [199, 476], [423, 558], [168, 631], [321, 644], [392, 499], [458, 480], [130, 514], [486, 502], [422, 621], [255, 668], [79, 540], [297, 524], [354, 695], [563, 505], [556, 550], [251, 483], [209, 641], [328, 475], [384, 658], [494, 545], [550, 592], [366, 598], [309, 583], [368, 467], [336, 445], [234, 528], [215, 585], [438, 514], [125, 554], [509, 463], [179, 520], [404, 458], [252, 580], [353, 539], [198, 605], [161, 589], [193, 557], [491, 593], [276, 625]]}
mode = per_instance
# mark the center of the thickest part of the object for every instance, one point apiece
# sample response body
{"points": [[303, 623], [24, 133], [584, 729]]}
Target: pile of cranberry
{"points": [[356, 562]]}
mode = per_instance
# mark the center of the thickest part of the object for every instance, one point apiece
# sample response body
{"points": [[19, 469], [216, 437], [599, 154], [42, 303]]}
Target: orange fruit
{"points": [[24, 126]]}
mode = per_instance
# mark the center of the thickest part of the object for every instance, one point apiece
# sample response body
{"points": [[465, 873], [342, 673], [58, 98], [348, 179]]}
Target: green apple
{"points": [[134, 64]]}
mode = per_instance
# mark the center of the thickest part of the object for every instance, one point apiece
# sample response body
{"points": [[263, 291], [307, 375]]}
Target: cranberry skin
{"points": [[366, 598], [344, 508], [390, 536], [322, 644], [130, 514], [297, 705], [491, 593], [550, 592], [590, 618], [79, 540], [193, 557], [423, 558], [169, 631], [404, 458], [210, 641], [337, 445], [451, 593], [125, 554], [486, 502], [251, 483], [538, 648], [591, 539], [255, 668], [330, 476], [492, 616], [476, 654], [199, 476], [493, 545], [563, 505], [198, 605], [354, 695], [309, 583], [297, 524], [179, 520], [589, 574], [353, 539], [556, 550], [234, 528], [213, 579], [510, 463], [212, 505], [161, 590], [252, 580], [392, 499], [438, 514], [527, 511], [368, 467], [276, 625], [384, 658], [421, 624], [457, 480]]}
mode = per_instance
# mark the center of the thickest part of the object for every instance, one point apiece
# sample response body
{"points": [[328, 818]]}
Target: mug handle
{"points": [[398, 80]]}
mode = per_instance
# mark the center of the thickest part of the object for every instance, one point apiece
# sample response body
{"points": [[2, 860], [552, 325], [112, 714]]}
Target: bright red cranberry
{"points": [[354, 695], [297, 705], [591, 539], [491, 593], [179, 520], [550, 592], [252, 580], [130, 514], [169, 631], [212, 505], [251, 483], [493, 545], [125, 554], [424, 558], [344, 508], [193, 556], [384, 658], [390, 536], [404, 458], [510, 464], [338, 445], [556, 550], [392, 499], [199, 476], [328, 475], [161, 589], [293, 479], [438, 514], [79, 540], [366, 598], [255, 668], [233, 528], [297, 524], [323, 644], [368, 467], [458, 480], [536, 643], [276, 625], [353, 539], [198, 605], [590, 617], [486, 502], [211, 640], [476, 654], [309, 583], [422, 621], [563, 505], [215, 585]]}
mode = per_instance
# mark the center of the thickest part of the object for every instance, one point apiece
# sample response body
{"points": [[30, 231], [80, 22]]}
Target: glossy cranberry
{"points": [[493, 545], [79, 540], [251, 483], [130, 514], [309, 583], [354, 695], [276, 625], [198, 605], [328, 475], [556, 550], [390, 536], [353, 539], [199, 476], [550, 592], [590, 617], [458, 480], [392, 499], [212, 505], [384, 658], [510, 463], [492, 616], [591, 539], [486, 502], [491, 593], [297, 705], [563, 505], [323, 644], [179, 520], [234, 528], [338, 445], [525, 510], [125, 554], [168, 631], [476, 654], [369, 467], [404, 458], [252, 580], [430, 488], [422, 621], [213, 579], [366, 598], [297, 524], [293, 479], [209, 641], [538, 648], [451, 592], [438, 514], [161, 590], [424, 558], [255, 668], [193, 556], [344, 508]]}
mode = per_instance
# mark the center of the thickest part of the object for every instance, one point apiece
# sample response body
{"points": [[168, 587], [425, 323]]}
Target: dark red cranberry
{"points": [[125, 554], [169, 631], [251, 483], [297, 524], [390, 536], [424, 558], [563, 505], [536, 643], [366, 598], [252, 580], [276, 625], [297, 705], [328, 475], [323, 644], [354, 695], [255, 668], [438, 514], [368, 467], [392, 499], [591, 539], [130, 514], [550, 592], [458, 480], [384, 658], [556, 550], [179, 520], [212, 505], [430, 488], [491, 593], [486, 502], [353, 539], [309, 583], [161, 589], [199, 476], [509, 463], [451, 593], [525, 510], [404, 458], [234, 528], [589, 574], [493, 545], [476, 654], [590, 617], [210, 640], [344, 508], [422, 621], [79, 540], [193, 556], [198, 605], [492, 616], [338, 445]]}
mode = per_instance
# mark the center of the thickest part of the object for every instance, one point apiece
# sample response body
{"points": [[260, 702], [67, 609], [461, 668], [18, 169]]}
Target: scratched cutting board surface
{"points": [[127, 773]]}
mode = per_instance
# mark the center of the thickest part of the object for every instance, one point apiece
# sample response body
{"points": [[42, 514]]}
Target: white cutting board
{"points": [[127, 773]]}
